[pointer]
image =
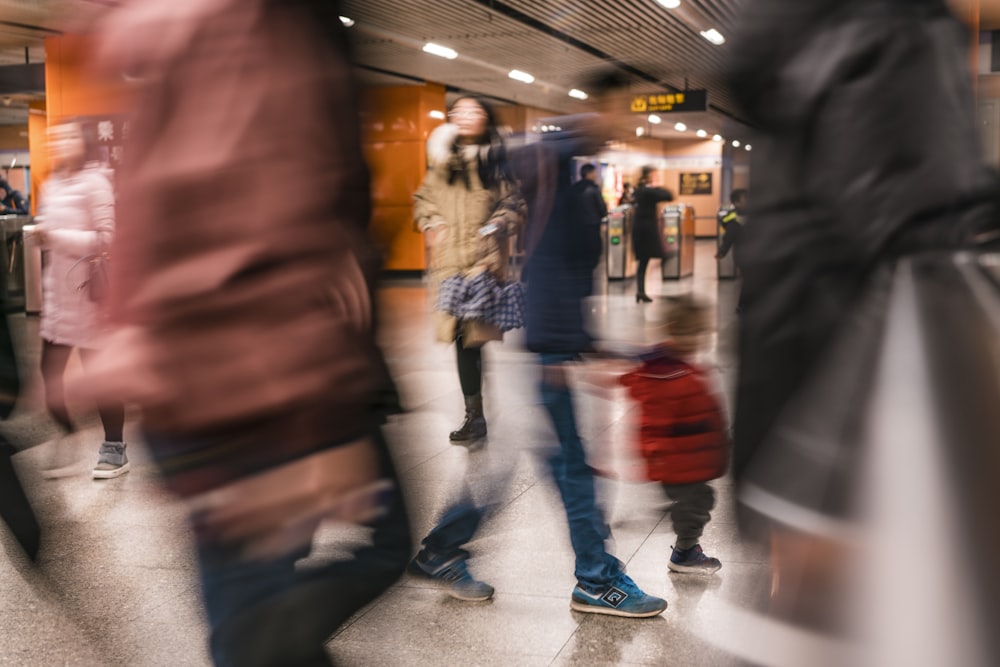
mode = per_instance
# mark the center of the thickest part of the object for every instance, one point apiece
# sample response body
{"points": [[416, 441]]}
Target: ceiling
{"points": [[559, 42]]}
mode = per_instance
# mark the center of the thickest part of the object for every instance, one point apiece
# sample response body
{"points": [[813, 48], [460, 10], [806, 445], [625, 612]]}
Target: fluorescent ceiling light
{"points": [[654, 119], [736, 143], [439, 115], [713, 36], [518, 75], [578, 94], [346, 21], [670, 4], [702, 133], [717, 137], [680, 127], [438, 50]]}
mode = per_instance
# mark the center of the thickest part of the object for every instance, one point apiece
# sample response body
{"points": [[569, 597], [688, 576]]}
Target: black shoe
{"points": [[474, 426], [643, 298]]}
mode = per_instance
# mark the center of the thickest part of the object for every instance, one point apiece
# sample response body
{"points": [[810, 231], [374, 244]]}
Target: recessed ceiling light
{"points": [[639, 131], [748, 147], [702, 133], [736, 143], [654, 119], [438, 50], [346, 21], [578, 94], [518, 75], [680, 127], [717, 137], [713, 36], [670, 4], [439, 115]]}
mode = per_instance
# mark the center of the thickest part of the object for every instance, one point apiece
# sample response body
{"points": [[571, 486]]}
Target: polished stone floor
{"points": [[117, 584]]}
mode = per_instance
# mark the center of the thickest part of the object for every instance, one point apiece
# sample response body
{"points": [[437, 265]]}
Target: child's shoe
{"points": [[693, 561]]}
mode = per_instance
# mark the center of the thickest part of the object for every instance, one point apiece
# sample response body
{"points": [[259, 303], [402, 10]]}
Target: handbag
{"points": [[96, 284]]}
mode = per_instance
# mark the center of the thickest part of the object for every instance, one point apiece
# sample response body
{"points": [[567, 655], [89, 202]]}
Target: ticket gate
{"points": [[677, 234], [618, 247]]}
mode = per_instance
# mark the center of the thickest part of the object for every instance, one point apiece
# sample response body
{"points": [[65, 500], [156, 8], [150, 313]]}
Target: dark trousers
{"points": [[640, 276], [691, 511], [271, 613]]}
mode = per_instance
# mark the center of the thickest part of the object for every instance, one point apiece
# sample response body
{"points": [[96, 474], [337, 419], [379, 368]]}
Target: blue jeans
{"points": [[270, 613], [588, 531]]}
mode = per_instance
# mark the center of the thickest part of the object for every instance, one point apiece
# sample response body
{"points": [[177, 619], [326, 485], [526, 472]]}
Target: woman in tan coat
{"points": [[468, 206]]}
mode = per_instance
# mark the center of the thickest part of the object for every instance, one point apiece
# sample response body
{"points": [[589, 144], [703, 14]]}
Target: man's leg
{"points": [[595, 567]]}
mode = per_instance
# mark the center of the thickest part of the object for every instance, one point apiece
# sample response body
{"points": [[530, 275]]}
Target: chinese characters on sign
{"points": [[696, 184], [690, 100], [112, 134]]}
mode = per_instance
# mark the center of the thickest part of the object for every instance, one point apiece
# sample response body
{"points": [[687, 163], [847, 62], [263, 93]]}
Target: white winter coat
{"points": [[77, 213]]}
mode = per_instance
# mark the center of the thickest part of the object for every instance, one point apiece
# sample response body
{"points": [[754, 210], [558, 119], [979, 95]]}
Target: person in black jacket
{"points": [[12, 202], [646, 241], [590, 210]]}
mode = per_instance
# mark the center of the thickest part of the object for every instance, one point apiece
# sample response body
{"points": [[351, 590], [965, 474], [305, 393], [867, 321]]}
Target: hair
{"points": [[646, 172], [495, 168], [587, 169], [737, 195], [686, 323]]}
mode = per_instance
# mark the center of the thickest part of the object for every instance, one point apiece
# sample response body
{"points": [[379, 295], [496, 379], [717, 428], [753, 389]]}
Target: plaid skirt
{"points": [[482, 297]]}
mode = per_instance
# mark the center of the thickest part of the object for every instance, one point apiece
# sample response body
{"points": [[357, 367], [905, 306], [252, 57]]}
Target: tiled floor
{"points": [[117, 585]]}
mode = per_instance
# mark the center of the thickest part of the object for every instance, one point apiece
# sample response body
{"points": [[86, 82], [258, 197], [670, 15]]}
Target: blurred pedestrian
{"points": [[468, 207], [245, 321], [647, 238], [12, 202], [562, 256], [75, 225], [15, 509], [628, 194], [732, 221]]}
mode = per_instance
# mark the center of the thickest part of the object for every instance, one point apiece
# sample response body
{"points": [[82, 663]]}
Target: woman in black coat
{"points": [[646, 239]]}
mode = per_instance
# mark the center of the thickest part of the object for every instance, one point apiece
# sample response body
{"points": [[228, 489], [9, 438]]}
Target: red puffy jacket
{"points": [[682, 435]]}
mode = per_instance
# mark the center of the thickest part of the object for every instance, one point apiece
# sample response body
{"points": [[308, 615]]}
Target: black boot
{"points": [[474, 425]]}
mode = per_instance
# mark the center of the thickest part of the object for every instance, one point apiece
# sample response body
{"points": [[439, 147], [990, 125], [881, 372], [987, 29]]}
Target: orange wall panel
{"points": [[73, 87], [397, 170], [403, 247], [37, 126]]}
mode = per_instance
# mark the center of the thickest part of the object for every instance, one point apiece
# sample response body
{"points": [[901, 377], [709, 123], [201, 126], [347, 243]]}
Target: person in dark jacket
{"points": [[856, 167], [560, 274], [12, 202], [646, 241], [732, 223], [591, 209]]}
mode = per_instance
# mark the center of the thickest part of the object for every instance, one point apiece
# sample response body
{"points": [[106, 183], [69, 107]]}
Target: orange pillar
{"points": [[37, 124], [396, 123]]}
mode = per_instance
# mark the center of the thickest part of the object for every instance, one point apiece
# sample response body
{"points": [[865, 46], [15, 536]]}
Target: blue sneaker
{"points": [[693, 561], [623, 598], [453, 575]]}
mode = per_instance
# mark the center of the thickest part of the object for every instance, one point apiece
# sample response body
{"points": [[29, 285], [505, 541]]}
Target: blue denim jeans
{"points": [[588, 531], [273, 613]]}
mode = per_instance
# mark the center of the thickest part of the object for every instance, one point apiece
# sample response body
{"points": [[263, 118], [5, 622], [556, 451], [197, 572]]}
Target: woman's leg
{"points": [[470, 376], [640, 280], [470, 367], [112, 414], [54, 360]]}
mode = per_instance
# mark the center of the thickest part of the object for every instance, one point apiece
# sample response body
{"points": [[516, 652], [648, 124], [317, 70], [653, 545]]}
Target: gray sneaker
{"points": [[111, 461]]}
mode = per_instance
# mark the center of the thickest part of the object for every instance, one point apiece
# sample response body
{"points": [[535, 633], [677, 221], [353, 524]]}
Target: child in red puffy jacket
{"points": [[682, 435]]}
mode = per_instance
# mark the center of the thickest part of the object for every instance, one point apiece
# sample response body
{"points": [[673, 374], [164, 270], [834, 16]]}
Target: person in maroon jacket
{"points": [[682, 433]]}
